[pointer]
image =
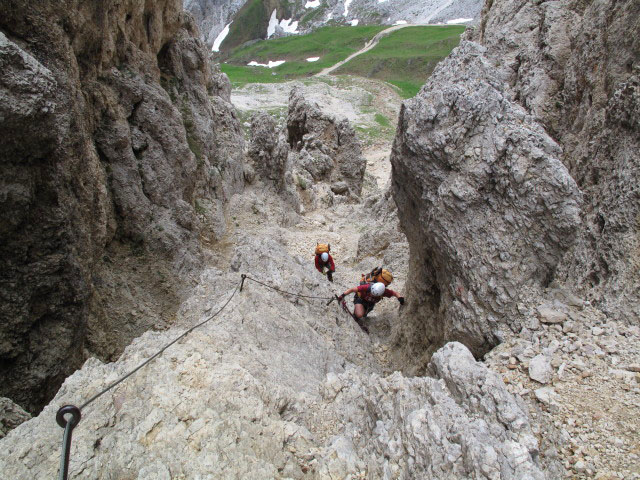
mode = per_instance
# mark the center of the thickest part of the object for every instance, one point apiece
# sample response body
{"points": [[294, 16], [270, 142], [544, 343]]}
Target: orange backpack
{"points": [[322, 248], [377, 275]]}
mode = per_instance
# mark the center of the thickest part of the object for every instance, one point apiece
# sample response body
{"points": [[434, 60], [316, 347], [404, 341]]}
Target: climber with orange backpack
{"points": [[324, 260], [366, 297]]}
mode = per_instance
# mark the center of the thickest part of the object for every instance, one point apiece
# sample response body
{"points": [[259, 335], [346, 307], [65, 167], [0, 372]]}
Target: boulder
{"points": [[546, 396], [332, 147], [487, 206], [549, 315], [540, 369]]}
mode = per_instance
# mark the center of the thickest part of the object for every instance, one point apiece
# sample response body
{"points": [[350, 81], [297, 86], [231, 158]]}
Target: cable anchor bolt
{"points": [[68, 426]]}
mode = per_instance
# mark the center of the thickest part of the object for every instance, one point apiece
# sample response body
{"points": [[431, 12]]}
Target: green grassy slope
{"points": [[406, 57], [331, 44]]}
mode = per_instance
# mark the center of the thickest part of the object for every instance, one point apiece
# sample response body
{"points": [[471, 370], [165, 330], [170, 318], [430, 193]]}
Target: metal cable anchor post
{"points": [[68, 426], [242, 282]]}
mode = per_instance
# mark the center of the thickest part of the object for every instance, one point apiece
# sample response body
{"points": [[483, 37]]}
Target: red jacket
{"points": [[330, 265], [365, 293]]}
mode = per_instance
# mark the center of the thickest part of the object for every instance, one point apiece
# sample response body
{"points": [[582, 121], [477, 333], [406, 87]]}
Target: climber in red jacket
{"points": [[324, 260], [367, 296]]}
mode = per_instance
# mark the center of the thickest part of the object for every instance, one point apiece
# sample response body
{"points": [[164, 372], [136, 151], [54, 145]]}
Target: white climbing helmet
{"points": [[377, 289], [324, 256]]}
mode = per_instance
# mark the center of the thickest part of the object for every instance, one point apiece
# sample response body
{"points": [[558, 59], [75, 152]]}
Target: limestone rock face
{"points": [[117, 162], [486, 204], [329, 148], [277, 387], [434, 427], [268, 149], [575, 67]]}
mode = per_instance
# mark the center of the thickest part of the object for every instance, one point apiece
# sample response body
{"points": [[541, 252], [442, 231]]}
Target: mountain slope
{"points": [[251, 20]]}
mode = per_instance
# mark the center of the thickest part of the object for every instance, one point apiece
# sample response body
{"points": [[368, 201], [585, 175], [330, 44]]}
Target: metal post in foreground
{"points": [[68, 426]]}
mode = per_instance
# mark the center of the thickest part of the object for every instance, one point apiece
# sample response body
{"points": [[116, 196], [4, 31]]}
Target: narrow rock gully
{"points": [[280, 386]]}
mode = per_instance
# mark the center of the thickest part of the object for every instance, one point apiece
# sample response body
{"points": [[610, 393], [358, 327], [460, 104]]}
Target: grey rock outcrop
{"points": [[11, 415], [220, 84], [431, 427], [575, 67], [329, 148], [117, 165], [268, 149], [212, 15], [486, 204]]}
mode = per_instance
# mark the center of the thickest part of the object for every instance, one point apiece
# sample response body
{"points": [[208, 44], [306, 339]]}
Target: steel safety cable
{"points": [[96, 396], [75, 412], [284, 291]]}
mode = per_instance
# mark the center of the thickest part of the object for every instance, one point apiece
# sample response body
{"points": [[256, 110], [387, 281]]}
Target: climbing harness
{"points": [[75, 413]]}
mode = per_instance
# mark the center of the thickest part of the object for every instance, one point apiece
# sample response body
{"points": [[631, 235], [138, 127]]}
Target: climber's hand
{"points": [[401, 300], [341, 297]]}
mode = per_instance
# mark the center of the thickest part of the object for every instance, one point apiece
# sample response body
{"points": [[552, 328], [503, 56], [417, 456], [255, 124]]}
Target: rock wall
{"points": [[575, 67], [117, 166], [487, 207], [268, 150], [517, 164]]}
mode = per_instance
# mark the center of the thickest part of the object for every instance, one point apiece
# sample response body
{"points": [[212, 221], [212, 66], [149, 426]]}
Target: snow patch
{"points": [[459, 20], [271, 64], [330, 16], [312, 4], [289, 26], [346, 7], [401, 22], [286, 24], [313, 59], [354, 22], [221, 36], [273, 21]]}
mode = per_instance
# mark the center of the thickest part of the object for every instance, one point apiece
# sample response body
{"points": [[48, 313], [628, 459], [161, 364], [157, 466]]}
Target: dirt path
{"points": [[369, 45], [375, 40]]}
